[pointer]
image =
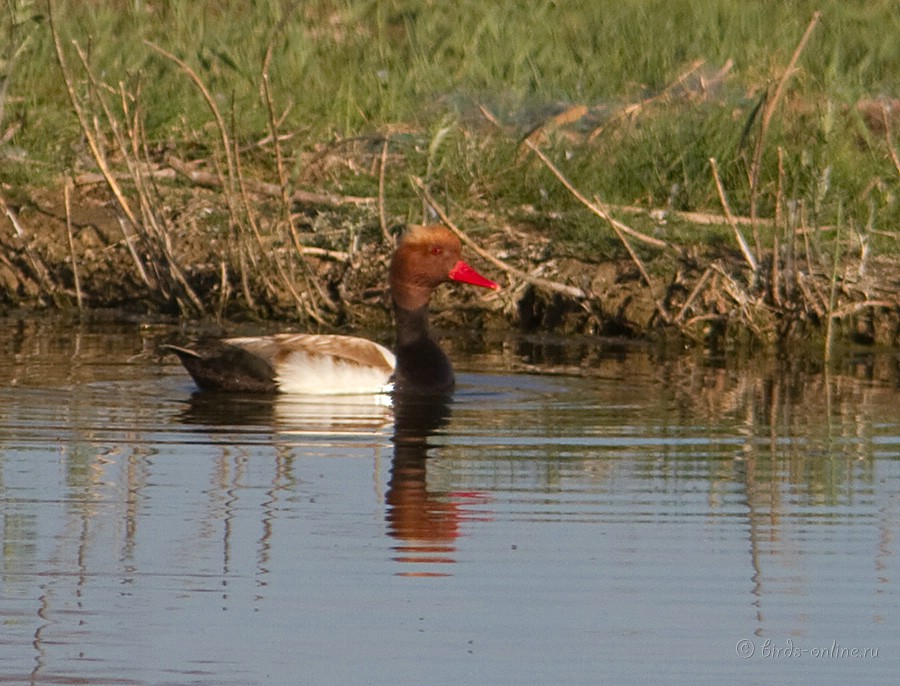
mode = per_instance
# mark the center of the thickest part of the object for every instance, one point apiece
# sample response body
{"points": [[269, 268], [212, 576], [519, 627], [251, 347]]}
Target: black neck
{"points": [[422, 367]]}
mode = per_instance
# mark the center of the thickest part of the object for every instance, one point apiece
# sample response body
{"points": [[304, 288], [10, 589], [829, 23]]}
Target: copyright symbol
{"points": [[745, 648]]}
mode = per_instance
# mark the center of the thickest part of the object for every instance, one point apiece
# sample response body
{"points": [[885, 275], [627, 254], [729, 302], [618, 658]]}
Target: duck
{"points": [[332, 364]]}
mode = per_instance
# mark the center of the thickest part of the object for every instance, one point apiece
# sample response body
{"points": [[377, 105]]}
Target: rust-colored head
{"points": [[427, 257]]}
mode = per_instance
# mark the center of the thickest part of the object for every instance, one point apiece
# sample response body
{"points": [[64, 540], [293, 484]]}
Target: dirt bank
{"points": [[189, 256]]}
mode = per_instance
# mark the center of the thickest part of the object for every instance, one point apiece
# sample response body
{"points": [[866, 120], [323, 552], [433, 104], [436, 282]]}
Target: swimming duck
{"points": [[320, 364]]}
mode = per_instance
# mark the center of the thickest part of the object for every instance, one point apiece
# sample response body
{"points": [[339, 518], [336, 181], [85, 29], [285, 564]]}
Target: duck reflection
{"points": [[425, 523], [291, 415]]}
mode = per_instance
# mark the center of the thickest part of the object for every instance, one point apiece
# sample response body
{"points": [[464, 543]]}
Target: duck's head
{"points": [[426, 257]]}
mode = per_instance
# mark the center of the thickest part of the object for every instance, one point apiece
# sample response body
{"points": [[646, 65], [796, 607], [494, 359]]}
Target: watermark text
{"points": [[772, 650]]}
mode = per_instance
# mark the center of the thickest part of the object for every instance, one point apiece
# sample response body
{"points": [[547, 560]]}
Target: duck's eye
{"points": [[436, 250]]}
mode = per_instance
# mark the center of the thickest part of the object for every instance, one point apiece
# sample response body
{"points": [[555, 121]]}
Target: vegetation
{"points": [[740, 157]]}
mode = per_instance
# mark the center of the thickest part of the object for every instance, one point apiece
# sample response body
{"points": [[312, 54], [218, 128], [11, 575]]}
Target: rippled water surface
{"points": [[573, 516]]}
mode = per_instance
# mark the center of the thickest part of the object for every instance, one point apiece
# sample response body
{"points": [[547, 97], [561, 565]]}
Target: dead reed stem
{"points": [[214, 109], [224, 289], [661, 308], [775, 277], [283, 180], [91, 133], [243, 249], [152, 229], [79, 298], [382, 216], [83, 121], [620, 229], [229, 179], [829, 322], [768, 112], [596, 207], [308, 305], [139, 264], [745, 249]]}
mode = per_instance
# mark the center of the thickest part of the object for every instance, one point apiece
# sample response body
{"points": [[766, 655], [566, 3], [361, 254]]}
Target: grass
{"points": [[665, 85], [341, 69]]}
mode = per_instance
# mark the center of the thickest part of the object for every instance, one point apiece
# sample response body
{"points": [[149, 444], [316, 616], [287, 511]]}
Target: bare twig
{"points": [[701, 282], [333, 255], [13, 219], [569, 116], [853, 308], [90, 178], [20, 276], [739, 296], [634, 108], [704, 218], [38, 268]]}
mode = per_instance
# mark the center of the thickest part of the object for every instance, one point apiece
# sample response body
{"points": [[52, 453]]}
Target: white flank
{"points": [[310, 374]]}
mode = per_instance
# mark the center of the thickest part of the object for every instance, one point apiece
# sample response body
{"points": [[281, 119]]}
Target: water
{"points": [[636, 520]]}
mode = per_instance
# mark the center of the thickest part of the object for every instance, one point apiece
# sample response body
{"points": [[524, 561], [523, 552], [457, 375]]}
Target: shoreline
{"points": [[195, 270]]}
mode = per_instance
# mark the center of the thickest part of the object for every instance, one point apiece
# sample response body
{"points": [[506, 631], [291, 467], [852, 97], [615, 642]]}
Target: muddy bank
{"points": [[325, 269]]}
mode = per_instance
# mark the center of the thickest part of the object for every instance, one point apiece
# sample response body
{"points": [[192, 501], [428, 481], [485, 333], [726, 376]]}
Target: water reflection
{"points": [[578, 513], [292, 416], [425, 522]]}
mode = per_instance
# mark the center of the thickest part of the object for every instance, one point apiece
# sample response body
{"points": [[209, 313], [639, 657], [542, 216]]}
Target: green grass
{"points": [[366, 67]]}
